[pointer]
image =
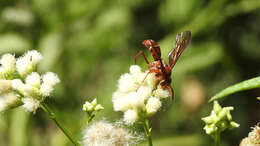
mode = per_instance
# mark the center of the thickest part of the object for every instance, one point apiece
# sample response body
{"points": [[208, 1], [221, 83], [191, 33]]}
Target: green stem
{"points": [[53, 117], [217, 139], [148, 131], [90, 117]]}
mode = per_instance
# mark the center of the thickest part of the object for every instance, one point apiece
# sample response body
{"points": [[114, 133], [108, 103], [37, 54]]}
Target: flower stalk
{"points": [[148, 131], [52, 116]]}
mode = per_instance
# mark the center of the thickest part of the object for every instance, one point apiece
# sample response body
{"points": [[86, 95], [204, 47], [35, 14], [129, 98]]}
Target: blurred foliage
{"points": [[89, 43]]}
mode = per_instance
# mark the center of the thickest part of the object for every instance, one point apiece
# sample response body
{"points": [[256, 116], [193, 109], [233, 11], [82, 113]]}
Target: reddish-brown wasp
{"points": [[161, 69]]}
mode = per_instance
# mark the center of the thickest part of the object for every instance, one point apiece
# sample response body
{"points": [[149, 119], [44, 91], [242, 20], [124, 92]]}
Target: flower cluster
{"points": [[219, 120], [92, 106], [137, 95], [21, 85], [253, 138], [102, 133]]}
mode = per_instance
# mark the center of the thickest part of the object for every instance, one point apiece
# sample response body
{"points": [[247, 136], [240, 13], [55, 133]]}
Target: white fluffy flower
{"points": [[8, 63], [30, 104], [46, 90], [144, 92], [33, 56], [153, 105], [33, 79], [134, 100], [126, 83], [160, 93], [121, 104], [130, 116], [50, 79], [27, 63], [102, 133]]}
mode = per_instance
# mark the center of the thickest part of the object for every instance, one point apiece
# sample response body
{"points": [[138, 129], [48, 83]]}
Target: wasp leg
{"points": [[141, 53], [171, 92]]}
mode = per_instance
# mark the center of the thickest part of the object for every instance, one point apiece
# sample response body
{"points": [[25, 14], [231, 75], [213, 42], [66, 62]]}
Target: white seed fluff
{"points": [[30, 104], [102, 133], [33, 79], [130, 116], [153, 105]]}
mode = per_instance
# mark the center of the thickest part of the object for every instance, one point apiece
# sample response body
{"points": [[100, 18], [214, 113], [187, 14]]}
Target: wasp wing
{"points": [[182, 41]]}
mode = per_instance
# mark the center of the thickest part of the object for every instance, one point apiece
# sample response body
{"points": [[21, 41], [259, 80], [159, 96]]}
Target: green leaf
{"points": [[245, 85]]}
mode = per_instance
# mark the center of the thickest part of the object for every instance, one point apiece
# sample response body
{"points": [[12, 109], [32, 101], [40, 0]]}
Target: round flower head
{"points": [[30, 104], [33, 79], [130, 116], [153, 105], [8, 65], [50, 79], [102, 133], [27, 63]]}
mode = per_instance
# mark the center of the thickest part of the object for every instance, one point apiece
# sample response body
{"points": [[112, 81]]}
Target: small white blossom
{"points": [[50, 79], [130, 116], [27, 63], [102, 133], [121, 104], [30, 104], [33, 79], [144, 92], [135, 69], [8, 63], [99, 107], [126, 83], [153, 105], [33, 56], [46, 90], [135, 101], [24, 89], [160, 93]]}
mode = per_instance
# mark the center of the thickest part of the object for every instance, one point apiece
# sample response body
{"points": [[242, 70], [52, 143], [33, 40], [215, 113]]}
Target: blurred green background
{"points": [[90, 43]]}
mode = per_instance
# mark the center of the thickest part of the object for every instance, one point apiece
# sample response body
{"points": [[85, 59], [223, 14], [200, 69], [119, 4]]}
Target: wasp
{"points": [[161, 69]]}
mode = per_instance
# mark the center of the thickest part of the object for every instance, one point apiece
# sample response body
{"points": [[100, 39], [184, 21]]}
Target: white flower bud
{"points": [[88, 107], [99, 107], [33, 79], [135, 69], [94, 102], [8, 101], [153, 105], [130, 116], [30, 104]]}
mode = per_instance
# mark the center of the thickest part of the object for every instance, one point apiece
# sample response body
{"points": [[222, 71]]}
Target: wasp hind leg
{"points": [[171, 93], [141, 53]]}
